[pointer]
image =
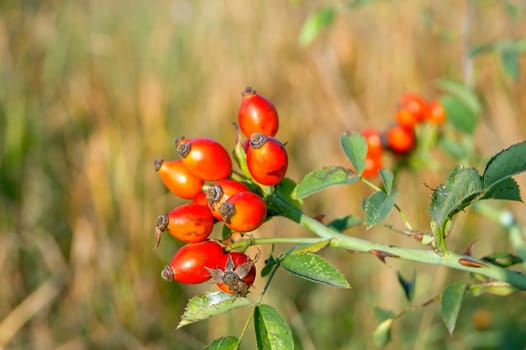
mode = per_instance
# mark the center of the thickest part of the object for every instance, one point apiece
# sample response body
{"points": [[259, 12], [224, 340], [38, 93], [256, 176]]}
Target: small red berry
{"points": [[191, 262], [267, 159], [257, 114], [373, 164], [406, 118], [188, 223], [218, 192], [436, 113], [205, 158], [243, 212], [400, 139], [415, 104], [374, 141], [178, 179], [236, 273]]}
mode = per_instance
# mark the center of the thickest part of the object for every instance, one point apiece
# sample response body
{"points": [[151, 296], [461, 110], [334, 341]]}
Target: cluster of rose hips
{"points": [[400, 139], [203, 174]]}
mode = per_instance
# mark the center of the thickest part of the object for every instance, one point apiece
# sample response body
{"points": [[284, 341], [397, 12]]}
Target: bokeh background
{"points": [[92, 92]]}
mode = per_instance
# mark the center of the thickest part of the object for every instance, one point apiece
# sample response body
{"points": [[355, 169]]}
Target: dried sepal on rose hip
{"points": [[236, 273], [257, 114], [178, 179], [243, 212], [191, 262], [205, 158], [188, 223], [218, 193], [267, 159]]}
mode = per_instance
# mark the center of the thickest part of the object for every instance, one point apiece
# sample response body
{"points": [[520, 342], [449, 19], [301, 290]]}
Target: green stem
{"points": [[451, 260]]}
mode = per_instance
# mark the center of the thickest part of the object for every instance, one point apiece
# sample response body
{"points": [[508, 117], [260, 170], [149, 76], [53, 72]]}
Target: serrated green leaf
{"points": [[272, 332], [355, 148], [463, 93], [377, 206], [462, 186], [493, 288], [459, 114], [314, 268], [208, 305], [451, 302], [345, 222], [382, 333], [387, 178], [509, 59], [223, 343], [506, 163], [507, 189], [408, 286], [320, 179], [314, 24]]}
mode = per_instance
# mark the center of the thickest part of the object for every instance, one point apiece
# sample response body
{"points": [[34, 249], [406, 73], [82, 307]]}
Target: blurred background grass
{"points": [[92, 92]]}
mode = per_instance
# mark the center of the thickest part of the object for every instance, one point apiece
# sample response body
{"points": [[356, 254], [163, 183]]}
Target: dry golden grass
{"points": [[92, 92]]}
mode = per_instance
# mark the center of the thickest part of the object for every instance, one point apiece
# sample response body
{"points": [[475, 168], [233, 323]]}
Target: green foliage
{"points": [[202, 307], [408, 286], [355, 148], [462, 105], [272, 332], [451, 301], [314, 268], [320, 179], [377, 206], [462, 186], [224, 343], [502, 166], [315, 23]]}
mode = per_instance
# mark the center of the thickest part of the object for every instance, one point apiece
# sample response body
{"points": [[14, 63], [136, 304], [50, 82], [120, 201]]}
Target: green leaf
{"points": [[506, 163], [462, 186], [314, 268], [463, 93], [345, 222], [223, 343], [459, 114], [286, 188], [382, 333], [377, 206], [407, 285], [269, 265], [313, 25], [311, 248], [208, 305], [387, 178], [355, 148], [319, 179], [502, 259], [493, 288], [272, 332], [507, 189], [451, 302], [383, 314], [509, 59]]}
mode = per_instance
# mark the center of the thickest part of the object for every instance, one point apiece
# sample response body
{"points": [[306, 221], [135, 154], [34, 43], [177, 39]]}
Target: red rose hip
{"points": [[191, 262], [257, 114], [267, 159]]}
